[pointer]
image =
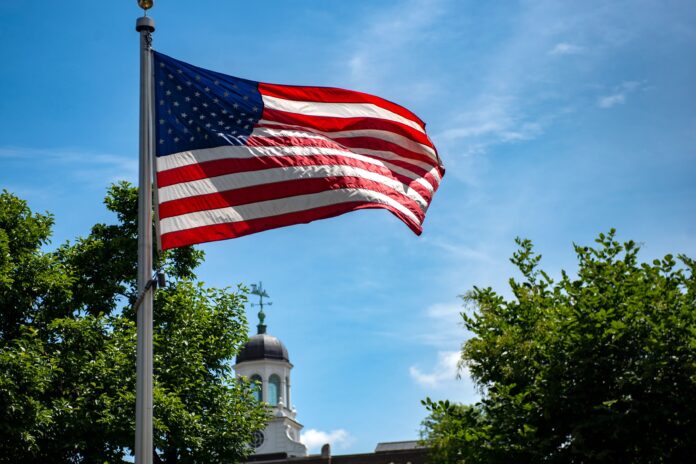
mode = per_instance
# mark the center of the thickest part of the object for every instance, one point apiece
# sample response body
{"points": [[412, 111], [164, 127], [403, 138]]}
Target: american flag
{"points": [[235, 157]]}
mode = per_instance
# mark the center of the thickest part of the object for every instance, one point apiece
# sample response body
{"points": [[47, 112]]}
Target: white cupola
{"points": [[264, 359]]}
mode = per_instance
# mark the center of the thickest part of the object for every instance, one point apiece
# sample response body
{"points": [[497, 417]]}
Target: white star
{"points": [[161, 141], [205, 136], [216, 82], [168, 92], [195, 108], [215, 100], [254, 109], [161, 82], [188, 83], [161, 121], [176, 139], [197, 94], [179, 71], [236, 105], [246, 97], [161, 65], [202, 116], [169, 131], [205, 104], [178, 87], [161, 102], [239, 121], [226, 94], [246, 127], [183, 115], [170, 76], [250, 119], [176, 103], [185, 130], [188, 99], [224, 111], [208, 125], [198, 78], [191, 139], [213, 114], [221, 123], [207, 89], [190, 121]]}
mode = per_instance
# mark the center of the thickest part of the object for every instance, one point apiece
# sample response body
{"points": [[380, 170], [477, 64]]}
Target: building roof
{"points": [[398, 446], [263, 346]]}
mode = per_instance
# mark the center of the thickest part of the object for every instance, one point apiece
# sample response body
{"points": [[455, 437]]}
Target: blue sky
{"points": [[555, 120]]}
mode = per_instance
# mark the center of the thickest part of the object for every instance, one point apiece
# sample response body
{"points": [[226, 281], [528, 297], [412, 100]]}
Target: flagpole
{"points": [[143, 390]]}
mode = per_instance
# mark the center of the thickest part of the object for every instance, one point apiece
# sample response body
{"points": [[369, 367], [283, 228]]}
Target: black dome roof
{"points": [[263, 346]]}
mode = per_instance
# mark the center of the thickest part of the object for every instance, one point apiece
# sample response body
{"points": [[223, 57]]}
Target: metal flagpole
{"points": [[143, 394]]}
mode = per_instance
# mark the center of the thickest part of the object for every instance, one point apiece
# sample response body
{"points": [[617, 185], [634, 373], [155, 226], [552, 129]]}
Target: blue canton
{"points": [[196, 108]]}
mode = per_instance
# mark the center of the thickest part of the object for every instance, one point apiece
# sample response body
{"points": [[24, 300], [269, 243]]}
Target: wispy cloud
{"points": [[444, 371], [95, 168], [565, 48], [315, 439], [383, 46], [619, 95], [444, 326]]}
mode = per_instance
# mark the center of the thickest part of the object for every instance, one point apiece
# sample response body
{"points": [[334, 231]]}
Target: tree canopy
{"points": [[599, 367], [67, 347]]}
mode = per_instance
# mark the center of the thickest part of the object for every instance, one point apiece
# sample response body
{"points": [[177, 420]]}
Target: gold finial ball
{"points": [[145, 4]]}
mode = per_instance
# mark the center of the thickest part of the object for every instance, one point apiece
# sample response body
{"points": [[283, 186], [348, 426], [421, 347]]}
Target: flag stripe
{"points": [[279, 190], [274, 175], [270, 208], [234, 151], [332, 124], [398, 139], [334, 95], [279, 144], [337, 110], [226, 166], [227, 230]]}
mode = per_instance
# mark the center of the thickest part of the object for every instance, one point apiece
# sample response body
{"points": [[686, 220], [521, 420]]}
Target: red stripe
{"points": [[334, 95], [239, 229], [225, 166], [374, 146], [332, 144], [408, 165], [331, 124], [279, 190]]}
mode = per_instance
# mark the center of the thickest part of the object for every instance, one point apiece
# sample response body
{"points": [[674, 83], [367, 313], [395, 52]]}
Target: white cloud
{"points": [[315, 439], [564, 48], [610, 101], [618, 97], [444, 371]]}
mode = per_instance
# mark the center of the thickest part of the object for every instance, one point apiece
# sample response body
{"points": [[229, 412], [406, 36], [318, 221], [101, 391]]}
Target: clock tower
{"points": [[264, 359]]}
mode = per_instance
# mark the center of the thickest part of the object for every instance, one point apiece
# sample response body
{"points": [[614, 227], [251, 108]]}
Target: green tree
{"points": [[595, 368], [67, 347]]}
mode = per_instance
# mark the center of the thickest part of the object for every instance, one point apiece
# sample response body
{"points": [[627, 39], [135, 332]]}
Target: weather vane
{"points": [[259, 291]]}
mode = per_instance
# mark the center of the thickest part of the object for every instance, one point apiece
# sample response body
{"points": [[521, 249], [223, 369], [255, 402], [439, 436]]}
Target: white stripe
{"points": [[350, 152], [187, 158], [272, 175], [403, 142], [272, 208], [337, 110]]}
